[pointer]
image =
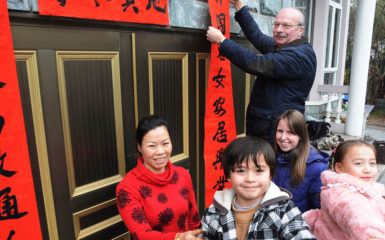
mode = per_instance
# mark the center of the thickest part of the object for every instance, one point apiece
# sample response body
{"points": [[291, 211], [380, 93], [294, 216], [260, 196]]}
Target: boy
{"points": [[255, 208]]}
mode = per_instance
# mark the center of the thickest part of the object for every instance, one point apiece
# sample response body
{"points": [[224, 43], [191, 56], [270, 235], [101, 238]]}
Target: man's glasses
{"points": [[285, 25]]}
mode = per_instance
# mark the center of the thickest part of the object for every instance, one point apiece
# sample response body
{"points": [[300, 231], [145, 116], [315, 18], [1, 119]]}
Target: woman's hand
{"points": [[238, 4], [189, 235], [214, 35]]}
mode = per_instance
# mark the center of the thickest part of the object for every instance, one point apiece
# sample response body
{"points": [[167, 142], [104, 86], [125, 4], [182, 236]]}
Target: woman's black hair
{"points": [[244, 148], [147, 124]]}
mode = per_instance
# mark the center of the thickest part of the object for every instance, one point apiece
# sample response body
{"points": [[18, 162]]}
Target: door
{"points": [[84, 88], [74, 119]]}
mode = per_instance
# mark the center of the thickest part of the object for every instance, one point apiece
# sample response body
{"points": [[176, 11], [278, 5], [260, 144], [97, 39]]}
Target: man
{"points": [[285, 72]]}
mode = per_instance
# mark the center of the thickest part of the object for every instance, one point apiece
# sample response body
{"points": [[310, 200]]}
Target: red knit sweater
{"points": [[157, 206]]}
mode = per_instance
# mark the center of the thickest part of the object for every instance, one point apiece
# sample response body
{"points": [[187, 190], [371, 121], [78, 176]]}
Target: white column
{"points": [[360, 66]]}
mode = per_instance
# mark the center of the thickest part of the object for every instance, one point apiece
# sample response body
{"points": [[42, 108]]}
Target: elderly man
{"points": [[285, 71]]}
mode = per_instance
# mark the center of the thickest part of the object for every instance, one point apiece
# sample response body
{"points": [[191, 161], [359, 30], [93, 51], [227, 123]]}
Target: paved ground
{"points": [[376, 132], [381, 173]]}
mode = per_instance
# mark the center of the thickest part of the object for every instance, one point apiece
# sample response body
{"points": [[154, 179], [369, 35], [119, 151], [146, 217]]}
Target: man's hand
{"points": [[238, 4], [214, 35]]}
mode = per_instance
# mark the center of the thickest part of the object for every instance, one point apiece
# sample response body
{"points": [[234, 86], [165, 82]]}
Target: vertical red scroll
{"points": [[19, 217], [219, 116]]}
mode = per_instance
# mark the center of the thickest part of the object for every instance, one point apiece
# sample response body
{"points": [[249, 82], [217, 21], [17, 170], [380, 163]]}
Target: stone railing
{"points": [[331, 91]]}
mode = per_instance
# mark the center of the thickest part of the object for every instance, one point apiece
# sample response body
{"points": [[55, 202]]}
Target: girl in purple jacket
{"points": [[299, 164]]}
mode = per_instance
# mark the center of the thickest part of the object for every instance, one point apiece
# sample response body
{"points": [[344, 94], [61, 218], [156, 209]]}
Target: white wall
{"points": [[320, 27]]}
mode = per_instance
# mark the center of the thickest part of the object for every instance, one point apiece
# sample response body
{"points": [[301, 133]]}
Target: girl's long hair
{"points": [[297, 124]]}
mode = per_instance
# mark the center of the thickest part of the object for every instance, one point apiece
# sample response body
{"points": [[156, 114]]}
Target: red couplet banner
{"points": [[19, 217], [139, 11], [219, 116]]}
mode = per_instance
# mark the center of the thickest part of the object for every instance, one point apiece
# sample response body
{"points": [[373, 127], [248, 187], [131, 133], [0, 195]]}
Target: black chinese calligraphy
{"points": [[218, 106], [11, 233], [221, 135], [219, 79], [62, 2], [8, 206], [221, 58], [1, 123], [4, 172], [2, 84], [220, 2], [97, 3], [221, 22], [129, 3], [219, 159], [156, 7], [220, 183]]}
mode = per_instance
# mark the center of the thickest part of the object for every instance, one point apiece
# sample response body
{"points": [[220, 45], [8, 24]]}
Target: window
{"points": [[306, 7], [333, 41]]}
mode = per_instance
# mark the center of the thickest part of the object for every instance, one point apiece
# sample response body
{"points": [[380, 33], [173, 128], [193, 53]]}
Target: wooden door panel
{"points": [[81, 115], [82, 118]]}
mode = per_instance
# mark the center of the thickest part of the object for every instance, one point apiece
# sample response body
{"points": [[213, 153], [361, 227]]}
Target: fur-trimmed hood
{"points": [[351, 209], [332, 179]]}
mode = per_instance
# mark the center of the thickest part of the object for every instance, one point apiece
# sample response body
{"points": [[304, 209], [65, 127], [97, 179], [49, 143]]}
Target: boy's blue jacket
{"points": [[306, 194], [276, 218]]}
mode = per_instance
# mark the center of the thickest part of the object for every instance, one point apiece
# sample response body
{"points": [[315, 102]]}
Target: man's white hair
{"points": [[301, 17]]}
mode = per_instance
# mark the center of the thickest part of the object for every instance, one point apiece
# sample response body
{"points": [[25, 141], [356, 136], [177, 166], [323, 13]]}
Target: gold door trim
{"points": [[247, 99], [135, 78], [206, 57], [40, 137], [82, 233], [112, 56], [172, 56], [124, 236]]}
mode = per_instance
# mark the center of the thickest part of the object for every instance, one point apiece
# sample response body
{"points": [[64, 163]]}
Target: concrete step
{"points": [[381, 173]]}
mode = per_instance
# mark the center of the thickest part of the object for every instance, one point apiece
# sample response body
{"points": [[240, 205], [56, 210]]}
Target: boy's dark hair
{"points": [[147, 124], [344, 147], [243, 148]]}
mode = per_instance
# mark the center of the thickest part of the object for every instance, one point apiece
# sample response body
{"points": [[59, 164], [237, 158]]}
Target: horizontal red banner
{"points": [[138, 11]]}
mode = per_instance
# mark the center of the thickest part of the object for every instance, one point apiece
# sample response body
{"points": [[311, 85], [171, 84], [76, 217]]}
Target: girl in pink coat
{"points": [[352, 203]]}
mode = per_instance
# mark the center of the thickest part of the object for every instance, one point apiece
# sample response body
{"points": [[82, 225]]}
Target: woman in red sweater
{"points": [[156, 199]]}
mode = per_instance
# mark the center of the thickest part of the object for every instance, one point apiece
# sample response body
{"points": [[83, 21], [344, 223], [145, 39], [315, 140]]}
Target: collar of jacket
{"points": [[223, 199], [283, 157], [297, 42], [314, 156], [331, 179], [146, 175]]}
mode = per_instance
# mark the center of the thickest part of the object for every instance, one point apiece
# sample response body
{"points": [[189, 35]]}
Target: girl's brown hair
{"points": [[344, 147], [297, 124]]}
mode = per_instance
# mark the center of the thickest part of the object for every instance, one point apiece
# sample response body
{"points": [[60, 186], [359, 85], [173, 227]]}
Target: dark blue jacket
{"points": [[306, 194], [285, 75]]}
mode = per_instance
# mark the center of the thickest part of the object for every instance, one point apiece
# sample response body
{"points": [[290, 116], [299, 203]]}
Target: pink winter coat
{"points": [[350, 209]]}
